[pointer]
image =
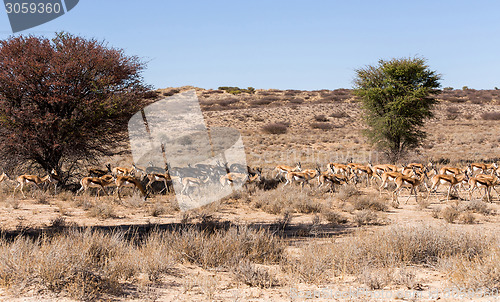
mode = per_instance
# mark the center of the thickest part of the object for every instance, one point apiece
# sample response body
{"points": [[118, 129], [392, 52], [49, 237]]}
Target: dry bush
{"points": [[157, 209], [102, 210], [371, 201], [275, 128], [340, 114], [296, 101], [226, 248], [375, 278], [449, 214], [322, 126], [334, 218], [265, 100], [285, 199], [13, 202], [347, 191], [366, 217], [86, 264], [467, 218], [320, 118], [491, 116], [283, 222], [254, 276], [480, 273], [65, 195], [453, 110], [76, 263], [41, 197], [305, 204], [404, 245], [423, 203], [312, 266], [406, 276], [476, 206]]}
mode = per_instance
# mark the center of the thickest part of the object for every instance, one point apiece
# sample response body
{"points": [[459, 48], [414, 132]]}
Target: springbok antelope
{"points": [[363, 170], [138, 171], [238, 178], [386, 177], [164, 177], [30, 180], [378, 170], [446, 179], [282, 169], [485, 181], [336, 168], [481, 168], [4, 177], [406, 181], [54, 179], [129, 181], [122, 171], [192, 182], [97, 172], [95, 182], [301, 177], [331, 178], [447, 170]]}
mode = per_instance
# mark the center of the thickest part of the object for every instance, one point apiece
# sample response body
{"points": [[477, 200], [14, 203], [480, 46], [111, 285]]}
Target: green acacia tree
{"points": [[397, 96]]}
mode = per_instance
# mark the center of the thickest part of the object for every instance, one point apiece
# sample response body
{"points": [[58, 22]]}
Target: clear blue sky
{"points": [[290, 44]]}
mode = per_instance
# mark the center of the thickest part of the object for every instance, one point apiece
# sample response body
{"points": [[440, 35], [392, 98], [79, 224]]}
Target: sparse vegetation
{"points": [[491, 116], [275, 128]]}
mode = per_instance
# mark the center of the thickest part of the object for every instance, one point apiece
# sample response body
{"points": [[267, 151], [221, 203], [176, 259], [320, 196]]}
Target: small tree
{"points": [[64, 99], [397, 96]]}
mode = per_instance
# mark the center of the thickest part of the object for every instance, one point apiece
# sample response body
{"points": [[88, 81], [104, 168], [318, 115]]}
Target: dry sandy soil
{"points": [[456, 134]]}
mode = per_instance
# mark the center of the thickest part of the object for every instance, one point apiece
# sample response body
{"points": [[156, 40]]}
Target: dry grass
{"points": [[371, 201], [449, 214], [491, 116], [103, 210], [385, 257], [275, 128], [286, 199], [87, 264], [255, 276]]}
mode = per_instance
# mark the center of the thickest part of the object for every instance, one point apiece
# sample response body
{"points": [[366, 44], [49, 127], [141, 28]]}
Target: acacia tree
{"points": [[397, 96], [65, 99]]}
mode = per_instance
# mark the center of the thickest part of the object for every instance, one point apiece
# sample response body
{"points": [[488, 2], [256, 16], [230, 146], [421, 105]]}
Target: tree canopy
{"points": [[397, 96], [65, 99]]}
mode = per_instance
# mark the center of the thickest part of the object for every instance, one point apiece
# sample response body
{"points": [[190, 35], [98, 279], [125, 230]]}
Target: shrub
{"points": [[322, 126], [227, 102], [265, 100], [296, 101], [312, 266], [365, 217], [371, 201], [467, 218], [102, 210], [334, 218], [491, 116], [345, 192], [340, 114], [237, 90], [275, 128], [252, 275], [476, 206], [449, 214], [320, 118]]}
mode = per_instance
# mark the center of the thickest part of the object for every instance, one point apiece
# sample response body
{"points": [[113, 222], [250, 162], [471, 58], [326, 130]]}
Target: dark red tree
{"points": [[65, 99]]}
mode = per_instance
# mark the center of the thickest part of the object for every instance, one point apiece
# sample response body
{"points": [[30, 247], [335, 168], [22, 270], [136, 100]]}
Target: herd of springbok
{"points": [[471, 177], [190, 178]]}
